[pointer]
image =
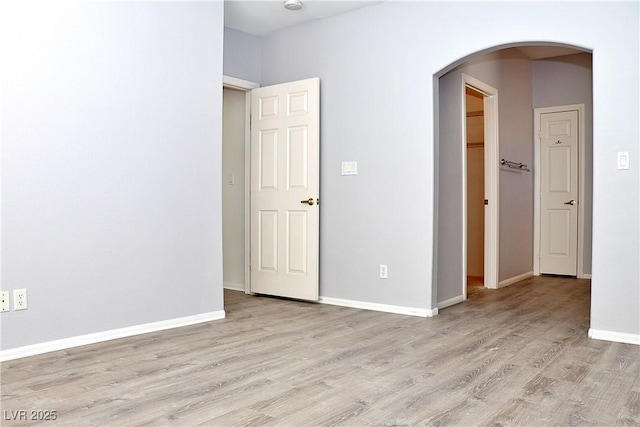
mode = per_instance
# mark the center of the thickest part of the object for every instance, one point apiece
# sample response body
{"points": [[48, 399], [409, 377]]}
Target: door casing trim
{"points": [[492, 183], [245, 86]]}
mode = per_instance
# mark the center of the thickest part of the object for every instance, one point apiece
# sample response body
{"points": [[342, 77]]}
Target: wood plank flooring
{"points": [[514, 356]]}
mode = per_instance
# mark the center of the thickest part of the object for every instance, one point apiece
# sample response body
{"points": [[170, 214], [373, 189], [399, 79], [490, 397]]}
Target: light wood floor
{"points": [[514, 356]]}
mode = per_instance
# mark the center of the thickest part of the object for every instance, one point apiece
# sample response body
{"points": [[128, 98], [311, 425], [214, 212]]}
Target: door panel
{"points": [[559, 193], [285, 172], [559, 170], [297, 242], [559, 235], [268, 241], [268, 160], [297, 160]]}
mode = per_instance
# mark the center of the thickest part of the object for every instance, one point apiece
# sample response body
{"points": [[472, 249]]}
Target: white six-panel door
{"points": [[285, 189], [559, 192]]}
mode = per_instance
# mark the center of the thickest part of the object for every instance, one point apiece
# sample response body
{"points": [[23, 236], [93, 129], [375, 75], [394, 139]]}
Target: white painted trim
{"points": [[537, 113], [614, 336], [233, 286], [585, 276], [515, 279], [235, 83], [63, 344], [396, 309], [492, 183], [536, 192], [246, 86], [247, 193], [452, 301], [463, 168], [431, 263], [581, 191]]}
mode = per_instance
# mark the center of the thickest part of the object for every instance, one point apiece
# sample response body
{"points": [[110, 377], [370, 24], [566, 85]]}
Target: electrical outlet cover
{"points": [[19, 299], [4, 301], [384, 272]]}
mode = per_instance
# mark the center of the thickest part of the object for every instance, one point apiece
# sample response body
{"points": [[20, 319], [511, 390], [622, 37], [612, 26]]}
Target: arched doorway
{"points": [[527, 76]]}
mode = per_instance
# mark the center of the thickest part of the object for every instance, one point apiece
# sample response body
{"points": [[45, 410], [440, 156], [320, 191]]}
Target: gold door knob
{"points": [[308, 201], [570, 202]]}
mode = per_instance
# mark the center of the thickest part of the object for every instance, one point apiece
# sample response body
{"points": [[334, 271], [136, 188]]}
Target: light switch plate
{"points": [[623, 160], [349, 168]]}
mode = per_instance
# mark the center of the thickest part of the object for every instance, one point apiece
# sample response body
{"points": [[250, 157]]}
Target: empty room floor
{"points": [[514, 356]]}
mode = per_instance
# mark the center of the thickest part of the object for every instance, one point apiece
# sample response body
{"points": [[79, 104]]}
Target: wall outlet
{"points": [[383, 271], [19, 299], [4, 301], [349, 168]]}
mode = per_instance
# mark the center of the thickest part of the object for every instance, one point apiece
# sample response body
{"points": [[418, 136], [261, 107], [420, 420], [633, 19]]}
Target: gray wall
{"points": [[376, 67], [509, 72], [562, 81], [111, 141], [368, 114], [242, 55]]}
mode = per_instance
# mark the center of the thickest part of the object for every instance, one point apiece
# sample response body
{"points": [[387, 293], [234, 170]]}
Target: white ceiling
{"points": [[263, 17]]}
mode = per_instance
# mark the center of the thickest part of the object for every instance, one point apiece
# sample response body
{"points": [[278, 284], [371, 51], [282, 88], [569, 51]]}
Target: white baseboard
{"points": [[451, 301], [614, 336], [584, 276], [63, 344], [396, 309], [233, 286], [515, 279]]}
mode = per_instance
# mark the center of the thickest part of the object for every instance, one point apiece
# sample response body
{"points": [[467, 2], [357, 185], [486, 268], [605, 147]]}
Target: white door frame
{"points": [[245, 86], [492, 182], [537, 113]]}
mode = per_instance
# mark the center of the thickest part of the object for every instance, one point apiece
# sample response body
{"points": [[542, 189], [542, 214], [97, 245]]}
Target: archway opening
{"points": [[527, 76]]}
